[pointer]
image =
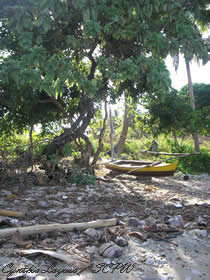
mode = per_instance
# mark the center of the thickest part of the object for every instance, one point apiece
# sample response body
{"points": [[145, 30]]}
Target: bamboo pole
{"points": [[171, 154], [11, 213], [30, 230]]}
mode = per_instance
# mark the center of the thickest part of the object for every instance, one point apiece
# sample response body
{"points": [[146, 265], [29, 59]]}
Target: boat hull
{"points": [[141, 168]]}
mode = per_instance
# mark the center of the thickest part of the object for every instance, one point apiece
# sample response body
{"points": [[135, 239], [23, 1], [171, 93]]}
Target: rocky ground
{"points": [[163, 230]]}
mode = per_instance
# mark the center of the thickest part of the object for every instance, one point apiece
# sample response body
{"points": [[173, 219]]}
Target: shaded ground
{"points": [[152, 201]]}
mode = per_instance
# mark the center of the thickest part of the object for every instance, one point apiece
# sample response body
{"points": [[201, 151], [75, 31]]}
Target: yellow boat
{"points": [[142, 168]]}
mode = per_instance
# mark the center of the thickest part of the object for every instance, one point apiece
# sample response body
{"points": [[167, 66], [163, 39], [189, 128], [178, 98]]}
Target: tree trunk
{"points": [[76, 130], [175, 137], [31, 148], [126, 120], [111, 133], [31, 139], [101, 136], [192, 103]]}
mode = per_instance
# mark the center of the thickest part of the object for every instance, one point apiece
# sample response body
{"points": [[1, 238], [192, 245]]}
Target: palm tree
{"points": [[192, 103], [201, 15]]}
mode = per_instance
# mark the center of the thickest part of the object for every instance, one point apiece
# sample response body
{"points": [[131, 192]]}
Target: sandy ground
{"points": [[184, 257]]}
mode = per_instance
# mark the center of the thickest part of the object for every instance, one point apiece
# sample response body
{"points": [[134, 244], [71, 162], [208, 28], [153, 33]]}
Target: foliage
{"points": [[62, 57], [13, 145], [80, 178], [201, 92], [193, 164], [176, 113], [202, 105]]}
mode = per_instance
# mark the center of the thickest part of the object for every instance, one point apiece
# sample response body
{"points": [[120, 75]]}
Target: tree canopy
{"points": [[172, 111], [202, 94], [71, 54]]}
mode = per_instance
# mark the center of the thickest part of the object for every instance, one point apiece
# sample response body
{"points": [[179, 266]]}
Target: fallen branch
{"points": [[11, 213], [29, 230]]}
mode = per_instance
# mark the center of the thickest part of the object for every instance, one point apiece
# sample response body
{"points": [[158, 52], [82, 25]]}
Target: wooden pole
{"points": [[29, 230], [11, 213], [171, 154]]}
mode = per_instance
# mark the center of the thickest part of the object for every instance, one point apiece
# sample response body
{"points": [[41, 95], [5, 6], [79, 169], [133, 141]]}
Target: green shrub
{"points": [[195, 164], [78, 177]]}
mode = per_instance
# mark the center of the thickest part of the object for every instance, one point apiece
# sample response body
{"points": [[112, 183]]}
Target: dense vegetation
{"points": [[60, 59]]}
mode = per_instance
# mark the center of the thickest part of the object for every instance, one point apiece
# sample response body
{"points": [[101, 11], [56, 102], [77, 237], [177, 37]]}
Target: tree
{"points": [[192, 103], [90, 49], [199, 11], [202, 105], [201, 92], [175, 115]]}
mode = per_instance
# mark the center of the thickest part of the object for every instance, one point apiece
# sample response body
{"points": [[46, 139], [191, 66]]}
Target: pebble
{"points": [[175, 221], [154, 213], [107, 261], [202, 221], [178, 205], [168, 277], [136, 222], [42, 203], [195, 272], [162, 261], [122, 242], [149, 261], [41, 277], [199, 233], [92, 250], [92, 233], [110, 250], [139, 274], [5, 192]]}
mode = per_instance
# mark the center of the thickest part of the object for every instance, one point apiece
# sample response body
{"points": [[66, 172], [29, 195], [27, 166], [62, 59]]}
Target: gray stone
{"points": [[155, 213], [149, 261], [93, 233], [5, 192], [202, 221], [122, 242], [195, 272], [41, 277], [199, 233], [43, 204], [110, 250], [136, 222], [175, 221]]}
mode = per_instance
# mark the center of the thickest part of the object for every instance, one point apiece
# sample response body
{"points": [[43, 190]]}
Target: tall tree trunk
{"points": [[101, 136], [111, 133], [126, 120], [31, 139], [31, 148], [192, 103], [175, 137]]}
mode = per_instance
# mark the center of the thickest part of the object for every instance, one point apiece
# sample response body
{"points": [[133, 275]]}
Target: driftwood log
{"points": [[29, 230]]}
